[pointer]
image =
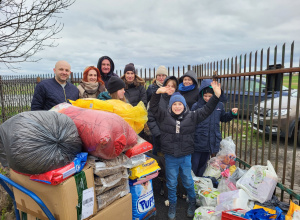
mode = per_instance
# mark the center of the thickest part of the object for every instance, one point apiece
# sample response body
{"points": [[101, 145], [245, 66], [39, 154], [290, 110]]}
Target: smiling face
{"points": [[92, 76], [62, 71], [187, 81], [105, 66], [129, 76], [177, 108]]}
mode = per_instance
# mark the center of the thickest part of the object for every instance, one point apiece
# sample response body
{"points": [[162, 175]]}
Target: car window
{"points": [[230, 82], [252, 83]]}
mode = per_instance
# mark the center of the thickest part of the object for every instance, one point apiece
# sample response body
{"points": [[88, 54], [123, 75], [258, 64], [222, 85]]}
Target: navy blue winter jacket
{"points": [[49, 93], [208, 134]]}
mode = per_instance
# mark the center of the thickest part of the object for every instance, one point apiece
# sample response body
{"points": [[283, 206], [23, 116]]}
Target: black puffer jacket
{"points": [[179, 143], [191, 96], [163, 103], [135, 92]]}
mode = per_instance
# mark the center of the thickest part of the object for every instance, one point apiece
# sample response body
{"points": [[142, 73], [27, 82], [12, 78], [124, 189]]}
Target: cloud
{"points": [[171, 33]]}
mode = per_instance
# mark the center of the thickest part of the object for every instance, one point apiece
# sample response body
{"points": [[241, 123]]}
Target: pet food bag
{"points": [[259, 182], [143, 206]]}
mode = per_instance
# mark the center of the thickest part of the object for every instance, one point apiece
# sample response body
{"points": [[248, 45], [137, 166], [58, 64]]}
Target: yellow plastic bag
{"points": [[135, 116], [96, 104], [293, 207]]}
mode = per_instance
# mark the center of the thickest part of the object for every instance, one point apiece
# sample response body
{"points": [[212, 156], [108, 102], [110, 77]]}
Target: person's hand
{"points": [[216, 87], [234, 110], [167, 90]]}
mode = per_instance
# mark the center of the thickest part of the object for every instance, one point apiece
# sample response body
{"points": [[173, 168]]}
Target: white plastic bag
{"points": [[202, 183], [204, 213], [259, 182], [233, 200], [208, 197], [213, 169], [296, 215]]}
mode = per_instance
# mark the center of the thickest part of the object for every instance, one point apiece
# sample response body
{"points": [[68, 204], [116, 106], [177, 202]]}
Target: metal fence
{"points": [[267, 126]]}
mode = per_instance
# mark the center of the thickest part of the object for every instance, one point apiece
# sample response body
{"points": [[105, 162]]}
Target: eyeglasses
{"points": [[161, 76]]}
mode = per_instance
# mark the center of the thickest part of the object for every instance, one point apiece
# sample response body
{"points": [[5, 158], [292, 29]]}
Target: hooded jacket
{"points": [[106, 77], [191, 96], [135, 92], [163, 103], [177, 133], [208, 135]]}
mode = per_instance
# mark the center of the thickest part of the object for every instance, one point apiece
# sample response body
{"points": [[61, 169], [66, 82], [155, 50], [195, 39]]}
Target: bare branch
{"points": [[27, 27]]}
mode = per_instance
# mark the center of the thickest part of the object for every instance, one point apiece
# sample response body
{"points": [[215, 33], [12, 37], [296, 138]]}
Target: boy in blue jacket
{"points": [[177, 127], [208, 134]]}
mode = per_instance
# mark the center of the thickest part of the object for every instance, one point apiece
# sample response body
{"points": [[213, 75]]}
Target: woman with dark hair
{"points": [[134, 86], [91, 84]]}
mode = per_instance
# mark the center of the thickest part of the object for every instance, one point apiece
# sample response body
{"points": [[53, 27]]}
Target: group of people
{"points": [[98, 82], [184, 120]]}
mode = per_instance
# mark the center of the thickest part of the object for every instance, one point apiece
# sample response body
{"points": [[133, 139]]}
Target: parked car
{"points": [[284, 122], [233, 95]]}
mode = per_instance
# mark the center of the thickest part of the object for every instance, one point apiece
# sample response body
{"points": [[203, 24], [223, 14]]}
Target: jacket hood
{"points": [[171, 77], [190, 74], [112, 65], [166, 96], [206, 83]]}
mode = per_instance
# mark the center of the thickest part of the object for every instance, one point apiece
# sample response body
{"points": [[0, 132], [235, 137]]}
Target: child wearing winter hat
{"points": [[115, 90], [177, 127], [208, 135]]}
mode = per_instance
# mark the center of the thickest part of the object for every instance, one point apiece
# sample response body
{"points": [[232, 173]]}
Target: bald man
{"points": [[51, 92]]}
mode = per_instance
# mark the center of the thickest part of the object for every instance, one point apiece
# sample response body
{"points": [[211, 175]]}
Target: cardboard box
{"points": [[118, 210], [61, 199]]}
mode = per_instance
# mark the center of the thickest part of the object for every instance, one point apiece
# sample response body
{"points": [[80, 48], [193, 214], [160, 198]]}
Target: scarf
{"points": [[89, 88], [186, 88], [159, 84]]}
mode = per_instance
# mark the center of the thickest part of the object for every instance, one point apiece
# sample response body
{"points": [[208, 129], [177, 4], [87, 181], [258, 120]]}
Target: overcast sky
{"points": [[150, 33]]}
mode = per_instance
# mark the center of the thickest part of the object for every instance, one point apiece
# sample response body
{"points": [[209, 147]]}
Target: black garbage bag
{"points": [[36, 142]]}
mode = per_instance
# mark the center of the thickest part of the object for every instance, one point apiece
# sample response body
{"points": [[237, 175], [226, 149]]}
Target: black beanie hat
{"points": [[208, 90], [114, 84], [129, 67]]}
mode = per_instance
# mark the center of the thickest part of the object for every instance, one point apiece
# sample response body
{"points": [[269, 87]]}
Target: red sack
{"points": [[103, 134], [141, 147]]}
